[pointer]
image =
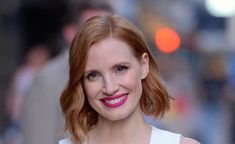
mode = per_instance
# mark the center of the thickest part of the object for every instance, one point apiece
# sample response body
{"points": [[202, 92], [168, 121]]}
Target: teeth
{"points": [[114, 101]]}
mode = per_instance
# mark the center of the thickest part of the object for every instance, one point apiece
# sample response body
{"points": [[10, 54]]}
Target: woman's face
{"points": [[112, 79]]}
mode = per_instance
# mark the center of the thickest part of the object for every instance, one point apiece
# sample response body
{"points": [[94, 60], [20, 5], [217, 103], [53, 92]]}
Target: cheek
{"points": [[92, 89], [133, 81]]}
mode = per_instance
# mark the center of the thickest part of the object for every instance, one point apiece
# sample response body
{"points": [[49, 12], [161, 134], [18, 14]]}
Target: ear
{"points": [[144, 65]]}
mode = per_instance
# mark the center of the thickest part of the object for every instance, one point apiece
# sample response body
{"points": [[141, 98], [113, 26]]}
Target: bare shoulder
{"points": [[185, 140]]}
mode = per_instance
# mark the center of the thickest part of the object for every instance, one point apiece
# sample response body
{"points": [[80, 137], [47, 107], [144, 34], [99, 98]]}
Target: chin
{"points": [[117, 116]]}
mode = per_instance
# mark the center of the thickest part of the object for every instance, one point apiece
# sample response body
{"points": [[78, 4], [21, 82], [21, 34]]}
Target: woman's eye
{"points": [[93, 76], [121, 69]]}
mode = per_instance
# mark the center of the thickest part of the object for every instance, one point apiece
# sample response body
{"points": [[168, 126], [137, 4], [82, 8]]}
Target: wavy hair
{"points": [[79, 116]]}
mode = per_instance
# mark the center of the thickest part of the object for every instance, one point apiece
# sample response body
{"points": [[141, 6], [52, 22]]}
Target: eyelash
{"points": [[120, 69], [92, 76]]}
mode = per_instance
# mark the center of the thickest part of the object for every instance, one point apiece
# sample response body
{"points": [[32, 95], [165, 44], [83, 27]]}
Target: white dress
{"points": [[158, 136]]}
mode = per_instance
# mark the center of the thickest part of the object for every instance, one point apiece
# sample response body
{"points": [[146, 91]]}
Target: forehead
{"points": [[109, 50], [111, 46]]}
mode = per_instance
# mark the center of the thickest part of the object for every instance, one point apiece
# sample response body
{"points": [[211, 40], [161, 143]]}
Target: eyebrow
{"points": [[89, 71]]}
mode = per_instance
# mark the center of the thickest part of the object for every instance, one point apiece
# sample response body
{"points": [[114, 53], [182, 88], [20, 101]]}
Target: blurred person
{"points": [[43, 123], [212, 110], [37, 56], [114, 79], [229, 92], [180, 82]]}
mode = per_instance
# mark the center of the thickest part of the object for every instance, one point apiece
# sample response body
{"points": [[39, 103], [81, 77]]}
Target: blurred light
{"points": [[220, 8], [167, 40]]}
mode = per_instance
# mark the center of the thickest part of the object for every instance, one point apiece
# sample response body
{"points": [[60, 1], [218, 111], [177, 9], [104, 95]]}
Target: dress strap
{"points": [[68, 141], [86, 141], [65, 141], [159, 136]]}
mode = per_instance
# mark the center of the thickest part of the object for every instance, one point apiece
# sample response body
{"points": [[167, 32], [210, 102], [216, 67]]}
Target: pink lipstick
{"points": [[115, 101]]}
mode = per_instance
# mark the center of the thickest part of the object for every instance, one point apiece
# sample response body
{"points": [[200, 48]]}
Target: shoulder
{"points": [[185, 140], [164, 136], [167, 137], [164, 133], [56, 64], [55, 72]]}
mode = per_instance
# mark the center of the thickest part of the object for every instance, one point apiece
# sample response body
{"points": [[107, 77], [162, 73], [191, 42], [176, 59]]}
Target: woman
{"points": [[114, 80]]}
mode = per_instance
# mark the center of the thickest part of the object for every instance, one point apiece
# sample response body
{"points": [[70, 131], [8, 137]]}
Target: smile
{"points": [[115, 101]]}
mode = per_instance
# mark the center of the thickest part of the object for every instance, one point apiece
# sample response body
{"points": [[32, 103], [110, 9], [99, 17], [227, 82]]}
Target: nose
{"points": [[110, 87]]}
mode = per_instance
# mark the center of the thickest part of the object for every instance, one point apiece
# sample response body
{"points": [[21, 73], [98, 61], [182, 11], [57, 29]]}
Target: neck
{"points": [[127, 131]]}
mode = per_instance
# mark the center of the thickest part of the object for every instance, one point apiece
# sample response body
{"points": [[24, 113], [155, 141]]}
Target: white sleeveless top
{"points": [[158, 136]]}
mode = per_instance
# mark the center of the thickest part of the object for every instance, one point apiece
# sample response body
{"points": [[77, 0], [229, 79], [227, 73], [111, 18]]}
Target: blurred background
{"points": [[193, 41]]}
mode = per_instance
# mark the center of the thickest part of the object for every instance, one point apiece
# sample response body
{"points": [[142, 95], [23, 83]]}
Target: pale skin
{"points": [[113, 70]]}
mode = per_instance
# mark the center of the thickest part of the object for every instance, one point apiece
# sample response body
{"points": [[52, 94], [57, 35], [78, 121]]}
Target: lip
{"points": [[115, 101]]}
